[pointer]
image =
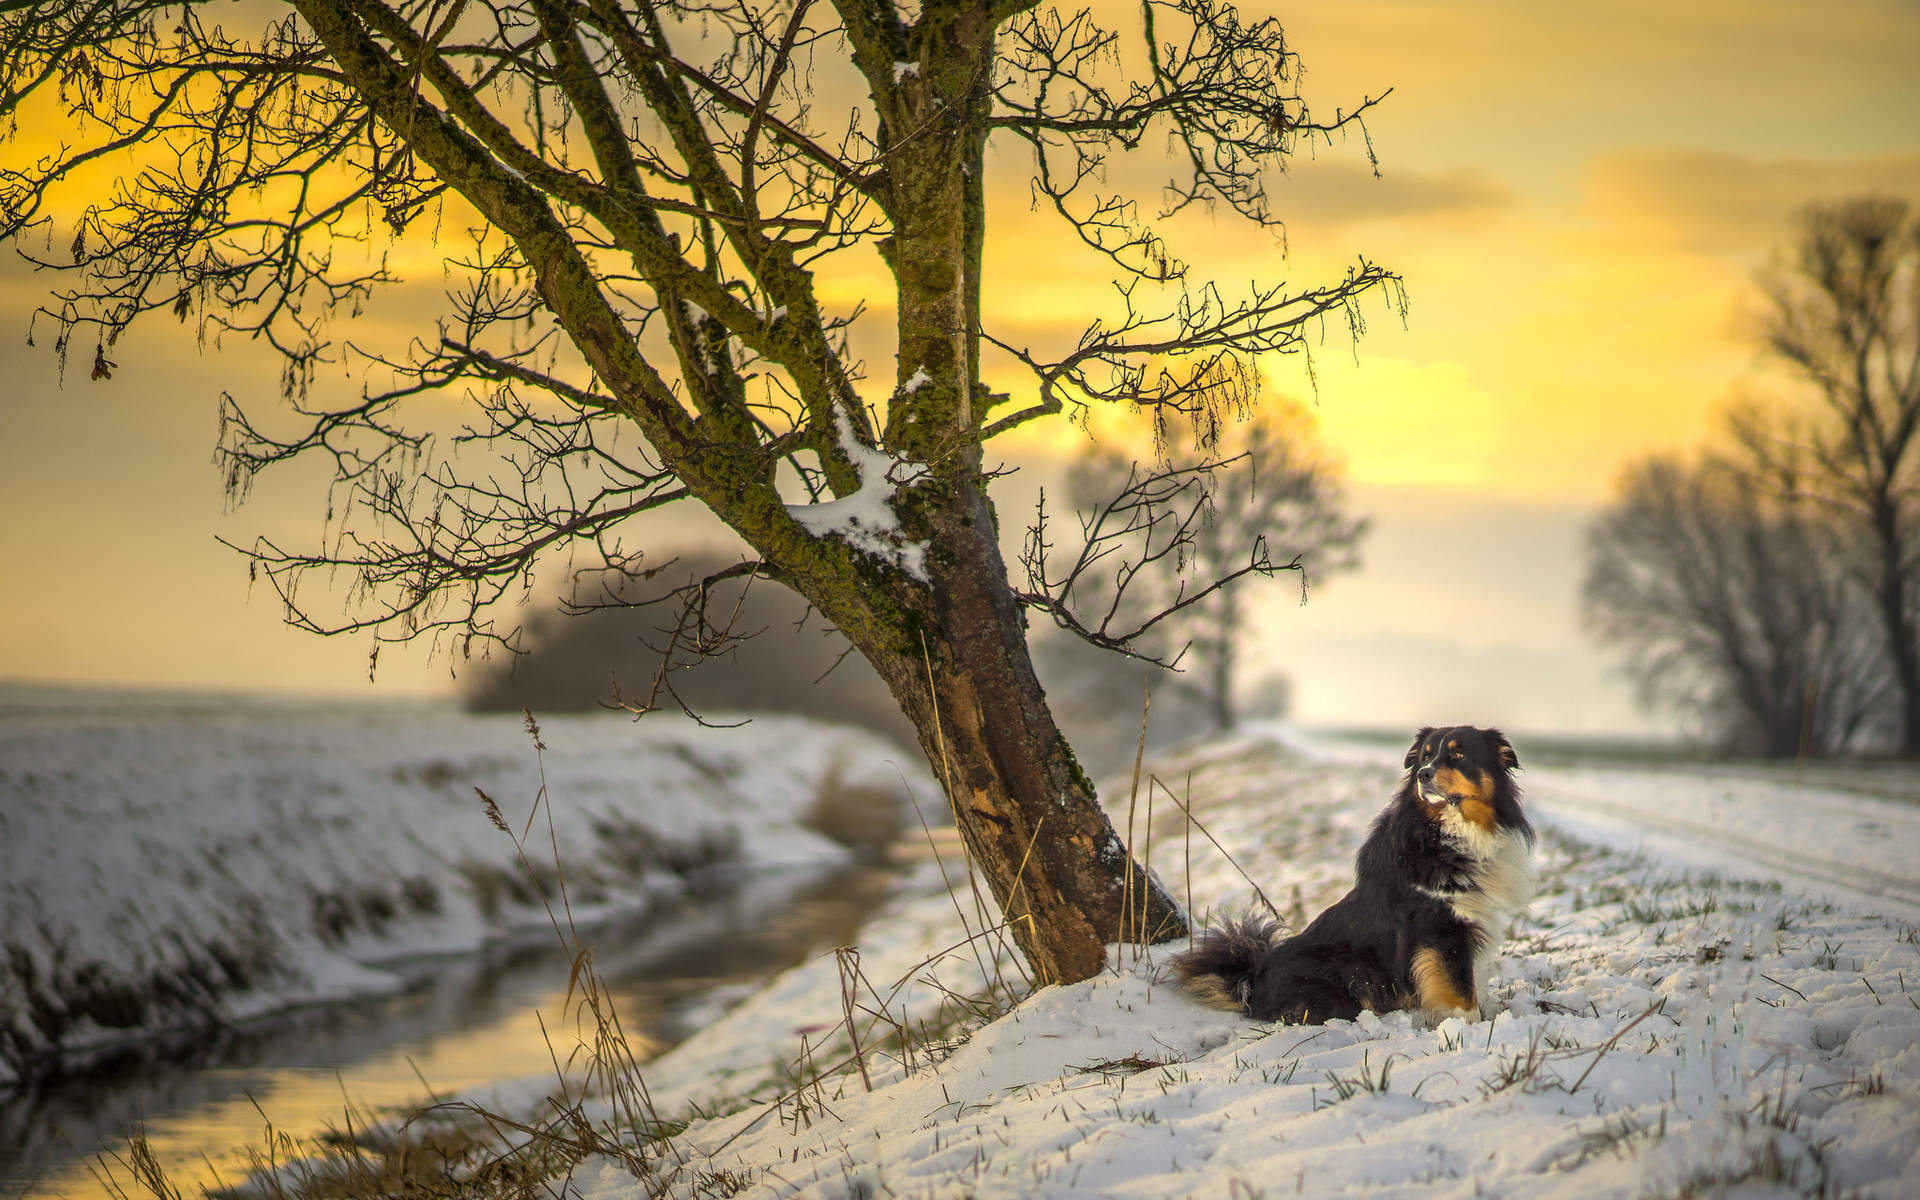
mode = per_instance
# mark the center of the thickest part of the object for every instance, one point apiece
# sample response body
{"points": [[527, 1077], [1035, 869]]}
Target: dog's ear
{"points": [[1413, 752], [1504, 748]]}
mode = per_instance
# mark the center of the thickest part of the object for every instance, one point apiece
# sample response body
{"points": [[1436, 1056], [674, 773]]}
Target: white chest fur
{"points": [[1506, 883]]}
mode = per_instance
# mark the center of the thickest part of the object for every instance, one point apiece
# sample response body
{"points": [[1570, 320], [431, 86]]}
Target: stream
{"points": [[462, 1023]]}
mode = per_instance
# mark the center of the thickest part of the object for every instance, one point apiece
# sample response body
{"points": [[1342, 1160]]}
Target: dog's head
{"points": [[1464, 769]]}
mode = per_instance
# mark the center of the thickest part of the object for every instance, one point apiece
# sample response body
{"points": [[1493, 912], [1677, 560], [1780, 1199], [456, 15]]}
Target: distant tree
{"points": [[1099, 698], [1732, 600], [781, 658], [634, 205], [1842, 313], [1257, 491]]}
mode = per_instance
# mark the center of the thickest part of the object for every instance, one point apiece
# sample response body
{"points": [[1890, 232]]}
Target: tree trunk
{"points": [[1060, 874], [1902, 650], [954, 655], [1896, 615], [954, 652]]}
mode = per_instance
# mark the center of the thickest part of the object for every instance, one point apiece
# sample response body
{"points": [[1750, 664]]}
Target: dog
{"points": [[1444, 871]]}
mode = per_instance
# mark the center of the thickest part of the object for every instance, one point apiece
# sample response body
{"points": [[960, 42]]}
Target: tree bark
{"points": [[954, 651], [1897, 615], [1027, 812]]}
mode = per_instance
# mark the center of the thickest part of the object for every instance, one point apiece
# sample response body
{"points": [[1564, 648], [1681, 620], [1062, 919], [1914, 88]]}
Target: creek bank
{"points": [[179, 868]]}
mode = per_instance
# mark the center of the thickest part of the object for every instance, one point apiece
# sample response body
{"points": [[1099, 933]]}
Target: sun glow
{"points": [[1575, 198]]}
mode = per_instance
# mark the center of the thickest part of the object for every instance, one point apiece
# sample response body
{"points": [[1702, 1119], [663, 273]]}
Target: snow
{"points": [[865, 519], [1853, 847], [905, 70], [918, 380], [1654, 1028], [165, 866]]}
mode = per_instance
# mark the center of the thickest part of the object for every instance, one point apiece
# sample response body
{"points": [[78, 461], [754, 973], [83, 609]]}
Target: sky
{"points": [[1576, 197]]}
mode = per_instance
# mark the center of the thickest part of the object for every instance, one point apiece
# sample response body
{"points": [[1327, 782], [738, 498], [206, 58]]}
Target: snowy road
{"points": [[1853, 848]]}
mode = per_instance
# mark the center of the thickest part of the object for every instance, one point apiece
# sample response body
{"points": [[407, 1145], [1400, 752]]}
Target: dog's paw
{"points": [[1431, 1018], [1452, 1033]]}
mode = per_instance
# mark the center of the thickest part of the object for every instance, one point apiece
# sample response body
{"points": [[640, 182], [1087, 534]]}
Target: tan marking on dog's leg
{"points": [[1438, 999]]}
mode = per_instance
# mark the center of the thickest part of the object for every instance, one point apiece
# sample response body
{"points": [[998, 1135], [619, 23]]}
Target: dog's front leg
{"points": [[1443, 981]]}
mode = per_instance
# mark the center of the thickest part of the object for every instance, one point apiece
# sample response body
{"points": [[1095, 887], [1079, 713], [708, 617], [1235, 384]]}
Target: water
{"points": [[462, 1024]]}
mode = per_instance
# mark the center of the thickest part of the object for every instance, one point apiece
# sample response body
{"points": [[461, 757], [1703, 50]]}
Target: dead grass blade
{"points": [[1156, 782]]}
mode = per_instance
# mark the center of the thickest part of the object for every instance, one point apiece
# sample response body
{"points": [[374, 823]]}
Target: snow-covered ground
{"points": [[173, 861], [1717, 992]]}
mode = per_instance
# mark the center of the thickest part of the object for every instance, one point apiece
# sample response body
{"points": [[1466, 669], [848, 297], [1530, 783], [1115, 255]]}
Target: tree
{"points": [[583, 661], [1732, 598], [1843, 314], [645, 193], [1257, 491]]}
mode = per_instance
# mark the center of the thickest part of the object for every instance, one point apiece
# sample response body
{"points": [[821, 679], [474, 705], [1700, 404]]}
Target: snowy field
{"points": [[166, 863], [1717, 992]]}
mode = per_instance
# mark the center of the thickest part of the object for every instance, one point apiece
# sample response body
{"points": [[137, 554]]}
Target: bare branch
{"points": [[1154, 519], [1224, 92]]}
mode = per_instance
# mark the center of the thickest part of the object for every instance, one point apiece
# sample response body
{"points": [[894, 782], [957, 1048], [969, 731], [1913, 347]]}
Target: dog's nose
{"points": [[1426, 774]]}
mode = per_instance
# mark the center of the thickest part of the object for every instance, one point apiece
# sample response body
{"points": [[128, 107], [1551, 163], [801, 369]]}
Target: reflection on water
{"points": [[464, 1023]]}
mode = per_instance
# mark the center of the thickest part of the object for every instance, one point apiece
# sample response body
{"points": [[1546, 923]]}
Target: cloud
{"points": [[1716, 202], [1550, 81], [1330, 193]]}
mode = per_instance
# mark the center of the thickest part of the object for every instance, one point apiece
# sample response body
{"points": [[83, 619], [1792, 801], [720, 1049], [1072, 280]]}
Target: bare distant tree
{"points": [[635, 204], [783, 659], [1732, 600], [1843, 314], [1252, 490]]}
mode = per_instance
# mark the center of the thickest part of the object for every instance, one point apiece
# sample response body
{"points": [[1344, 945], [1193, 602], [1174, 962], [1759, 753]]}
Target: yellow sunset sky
{"points": [[1576, 197]]}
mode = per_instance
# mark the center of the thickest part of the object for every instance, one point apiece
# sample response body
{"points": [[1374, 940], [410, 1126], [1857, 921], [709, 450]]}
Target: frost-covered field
{"points": [[173, 862], [1684, 1013]]}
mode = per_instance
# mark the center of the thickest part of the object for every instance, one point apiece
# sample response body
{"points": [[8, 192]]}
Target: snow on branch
{"points": [[865, 519]]}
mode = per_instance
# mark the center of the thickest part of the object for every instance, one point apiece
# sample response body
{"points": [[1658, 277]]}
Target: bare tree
{"points": [[1732, 599], [640, 197], [1258, 498], [1843, 313], [783, 657]]}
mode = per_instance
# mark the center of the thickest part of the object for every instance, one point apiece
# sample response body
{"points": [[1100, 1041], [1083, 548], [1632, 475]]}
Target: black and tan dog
{"points": [[1445, 870]]}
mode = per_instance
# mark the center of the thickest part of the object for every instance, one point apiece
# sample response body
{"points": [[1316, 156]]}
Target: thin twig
{"points": [[1133, 795], [1222, 849], [1609, 1044]]}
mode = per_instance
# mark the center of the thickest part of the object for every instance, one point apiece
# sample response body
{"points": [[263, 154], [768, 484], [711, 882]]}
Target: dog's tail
{"points": [[1220, 968]]}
